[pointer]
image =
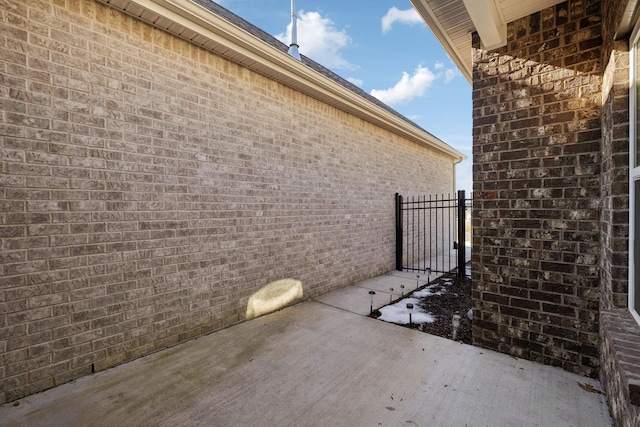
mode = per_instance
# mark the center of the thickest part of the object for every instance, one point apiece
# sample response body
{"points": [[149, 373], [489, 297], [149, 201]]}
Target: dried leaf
{"points": [[588, 387]]}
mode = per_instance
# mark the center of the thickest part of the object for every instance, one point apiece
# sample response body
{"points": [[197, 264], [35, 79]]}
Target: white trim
{"points": [[629, 16], [634, 172], [488, 22]]}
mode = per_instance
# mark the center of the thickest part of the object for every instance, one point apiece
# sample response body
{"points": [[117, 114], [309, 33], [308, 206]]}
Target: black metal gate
{"points": [[430, 233]]}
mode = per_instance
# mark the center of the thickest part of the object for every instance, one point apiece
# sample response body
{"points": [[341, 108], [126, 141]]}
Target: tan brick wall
{"points": [[149, 188]]}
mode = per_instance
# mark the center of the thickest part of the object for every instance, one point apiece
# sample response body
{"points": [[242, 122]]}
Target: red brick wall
{"points": [[537, 165]]}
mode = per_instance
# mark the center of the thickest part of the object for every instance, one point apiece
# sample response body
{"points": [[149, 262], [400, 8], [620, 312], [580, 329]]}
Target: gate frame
{"points": [[459, 244]]}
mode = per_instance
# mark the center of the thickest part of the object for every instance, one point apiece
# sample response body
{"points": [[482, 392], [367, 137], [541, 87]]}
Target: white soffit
{"points": [[629, 18], [453, 22]]}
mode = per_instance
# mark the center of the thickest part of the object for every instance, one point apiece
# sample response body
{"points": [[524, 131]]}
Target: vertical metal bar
{"points": [[413, 230], [424, 246], [444, 245], [430, 233], [436, 227], [449, 224], [453, 228], [450, 230], [462, 245], [406, 224], [423, 234], [398, 232], [409, 259], [437, 236], [419, 236]]}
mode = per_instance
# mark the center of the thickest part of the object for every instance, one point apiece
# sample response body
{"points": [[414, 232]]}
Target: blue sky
{"points": [[385, 48]]}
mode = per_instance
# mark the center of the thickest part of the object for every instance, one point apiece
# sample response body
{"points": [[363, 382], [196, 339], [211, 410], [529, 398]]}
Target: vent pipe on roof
{"points": [[293, 47]]}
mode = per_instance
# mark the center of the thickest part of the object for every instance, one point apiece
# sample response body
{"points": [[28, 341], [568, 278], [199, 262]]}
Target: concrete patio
{"points": [[321, 363]]}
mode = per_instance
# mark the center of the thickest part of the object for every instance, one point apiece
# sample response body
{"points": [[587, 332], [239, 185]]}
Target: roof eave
{"points": [[429, 17], [197, 24], [488, 23]]}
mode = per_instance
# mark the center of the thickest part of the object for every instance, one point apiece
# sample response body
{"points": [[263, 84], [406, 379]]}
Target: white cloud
{"points": [[320, 40], [409, 87], [355, 81], [409, 16], [450, 74], [415, 85]]}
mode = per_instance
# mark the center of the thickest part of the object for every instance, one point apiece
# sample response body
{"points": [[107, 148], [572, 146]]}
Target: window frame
{"points": [[634, 171]]}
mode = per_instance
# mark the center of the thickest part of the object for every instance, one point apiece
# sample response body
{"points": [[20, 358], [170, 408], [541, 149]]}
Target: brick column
{"points": [[537, 158]]}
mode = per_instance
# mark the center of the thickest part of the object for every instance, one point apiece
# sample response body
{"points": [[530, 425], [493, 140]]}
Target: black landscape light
{"points": [[410, 308], [371, 294]]}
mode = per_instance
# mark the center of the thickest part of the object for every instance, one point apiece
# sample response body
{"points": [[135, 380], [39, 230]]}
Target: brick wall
{"points": [[615, 161], [615, 179], [619, 332], [149, 188], [620, 376], [537, 163]]}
